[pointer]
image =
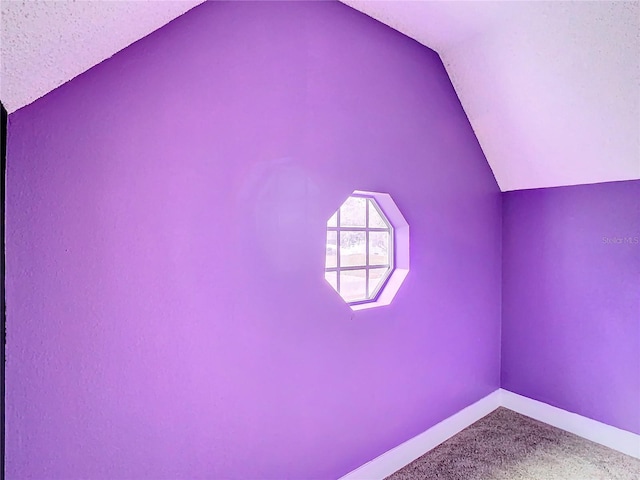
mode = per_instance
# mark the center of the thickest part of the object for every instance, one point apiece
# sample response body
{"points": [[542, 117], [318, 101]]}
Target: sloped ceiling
{"points": [[44, 44], [552, 89]]}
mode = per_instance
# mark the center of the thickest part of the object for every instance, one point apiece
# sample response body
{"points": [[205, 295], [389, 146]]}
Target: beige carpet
{"points": [[505, 445]]}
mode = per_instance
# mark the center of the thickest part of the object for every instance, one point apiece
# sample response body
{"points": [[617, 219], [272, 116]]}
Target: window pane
{"points": [[353, 212], [333, 221], [332, 250], [376, 277], [353, 249], [375, 220], [332, 278], [353, 285], [378, 248]]}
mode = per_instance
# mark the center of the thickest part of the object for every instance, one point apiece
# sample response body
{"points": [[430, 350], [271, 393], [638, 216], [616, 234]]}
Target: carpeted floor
{"points": [[505, 445]]}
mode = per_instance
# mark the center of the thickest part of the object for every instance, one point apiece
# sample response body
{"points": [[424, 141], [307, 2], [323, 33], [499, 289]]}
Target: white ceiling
{"points": [[44, 44], [552, 89]]}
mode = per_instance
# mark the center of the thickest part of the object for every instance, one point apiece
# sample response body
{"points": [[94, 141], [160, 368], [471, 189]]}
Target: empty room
{"points": [[320, 240]]}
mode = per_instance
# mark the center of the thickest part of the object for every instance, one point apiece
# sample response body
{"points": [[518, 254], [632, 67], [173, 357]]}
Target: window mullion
{"points": [[358, 229], [338, 248], [357, 267], [366, 248]]}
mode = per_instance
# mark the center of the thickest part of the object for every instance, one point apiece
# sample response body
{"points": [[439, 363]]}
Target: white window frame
{"points": [[371, 296]]}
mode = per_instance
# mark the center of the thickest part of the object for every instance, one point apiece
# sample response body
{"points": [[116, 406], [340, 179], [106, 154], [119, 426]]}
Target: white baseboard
{"points": [[396, 458], [612, 437], [400, 456]]}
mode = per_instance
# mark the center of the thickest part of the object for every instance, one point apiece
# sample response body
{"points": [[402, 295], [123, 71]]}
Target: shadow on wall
{"points": [[279, 202]]}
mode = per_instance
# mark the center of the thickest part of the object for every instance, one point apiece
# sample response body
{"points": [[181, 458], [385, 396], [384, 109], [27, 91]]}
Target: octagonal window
{"points": [[361, 251]]}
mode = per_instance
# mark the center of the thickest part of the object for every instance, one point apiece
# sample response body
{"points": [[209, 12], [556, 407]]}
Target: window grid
{"points": [[369, 295]]}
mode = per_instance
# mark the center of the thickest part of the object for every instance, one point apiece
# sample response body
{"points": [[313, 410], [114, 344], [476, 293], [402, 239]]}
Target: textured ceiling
{"points": [[552, 89], [44, 44]]}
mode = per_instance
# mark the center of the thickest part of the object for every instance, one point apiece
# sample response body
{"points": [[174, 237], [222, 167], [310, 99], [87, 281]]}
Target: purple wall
{"points": [[167, 313], [571, 299]]}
